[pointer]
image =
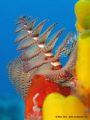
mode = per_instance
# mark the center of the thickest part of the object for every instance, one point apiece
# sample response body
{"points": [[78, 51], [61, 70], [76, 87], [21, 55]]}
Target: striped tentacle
{"points": [[21, 73], [35, 50], [40, 40], [66, 72], [23, 21], [30, 33], [62, 46], [41, 70], [41, 58], [51, 42], [26, 27], [21, 17], [59, 50], [43, 37], [15, 69], [18, 78], [63, 73]]}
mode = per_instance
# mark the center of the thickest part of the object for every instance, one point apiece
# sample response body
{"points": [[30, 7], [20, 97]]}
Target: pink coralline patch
{"points": [[41, 87]]}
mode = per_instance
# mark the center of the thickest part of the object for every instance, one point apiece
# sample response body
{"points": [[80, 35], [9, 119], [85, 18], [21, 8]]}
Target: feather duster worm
{"points": [[37, 58]]}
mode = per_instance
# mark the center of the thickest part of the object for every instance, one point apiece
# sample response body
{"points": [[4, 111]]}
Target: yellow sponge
{"points": [[82, 11], [78, 27], [58, 107], [83, 60]]}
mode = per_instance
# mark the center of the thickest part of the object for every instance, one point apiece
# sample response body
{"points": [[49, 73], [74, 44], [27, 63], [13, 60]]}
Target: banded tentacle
{"points": [[40, 40], [63, 74], [18, 78], [42, 59], [26, 27], [23, 21], [66, 72], [21, 17], [36, 48], [30, 33]]}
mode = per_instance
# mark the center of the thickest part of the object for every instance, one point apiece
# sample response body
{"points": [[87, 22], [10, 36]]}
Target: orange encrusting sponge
{"points": [[43, 88]]}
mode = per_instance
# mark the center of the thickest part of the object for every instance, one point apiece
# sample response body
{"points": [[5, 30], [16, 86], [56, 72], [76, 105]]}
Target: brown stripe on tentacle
{"points": [[36, 40], [27, 27], [58, 74], [59, 51], [46, 68], [23, 35], [21, 17], [49, 66], [23, 21], [43, 37], [31, 24], [66, 72], [47, 49], [43, 59], [51, 42], [26, 43], [60, 47], [58, 54], [34, 33], [57, 34], [41, 70], [20, 28], [18, 78], [38, 61], [30, 53]]}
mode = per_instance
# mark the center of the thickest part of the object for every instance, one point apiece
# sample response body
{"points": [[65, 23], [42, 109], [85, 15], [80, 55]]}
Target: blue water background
{"points": [[60, 11]]}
